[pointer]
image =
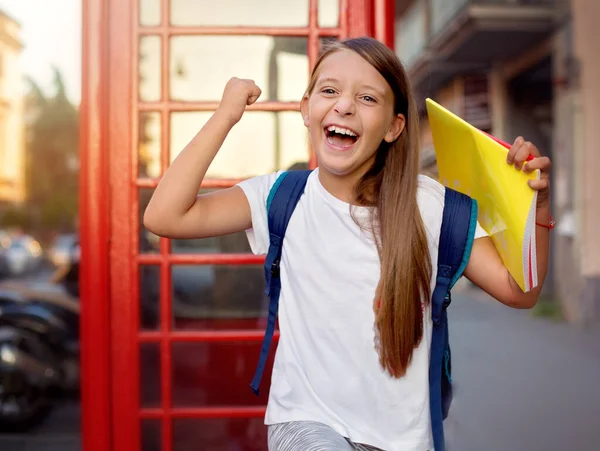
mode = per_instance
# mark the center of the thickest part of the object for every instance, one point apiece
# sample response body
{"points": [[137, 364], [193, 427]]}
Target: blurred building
{"points": [[12, 143], [523, 67]]}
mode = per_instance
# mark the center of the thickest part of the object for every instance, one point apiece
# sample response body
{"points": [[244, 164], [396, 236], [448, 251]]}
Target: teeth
{"points": [[341, 131]]}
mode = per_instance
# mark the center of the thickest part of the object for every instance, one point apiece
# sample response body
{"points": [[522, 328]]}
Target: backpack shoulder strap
{"points": [[459, 223], [457, 233], [281, 202]]}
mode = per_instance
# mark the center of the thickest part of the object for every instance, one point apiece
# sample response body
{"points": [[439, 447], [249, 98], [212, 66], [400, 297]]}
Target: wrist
{"points": [[225, 117], [543, 217]]}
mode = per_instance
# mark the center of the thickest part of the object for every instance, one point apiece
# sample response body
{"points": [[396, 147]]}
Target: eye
{"points": [[329, 91], [370, 99]]}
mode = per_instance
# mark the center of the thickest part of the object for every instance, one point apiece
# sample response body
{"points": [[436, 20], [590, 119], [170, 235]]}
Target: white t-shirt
{"points": [[326, 367]]}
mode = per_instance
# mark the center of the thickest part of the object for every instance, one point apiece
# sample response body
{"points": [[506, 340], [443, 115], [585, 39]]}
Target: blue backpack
{"points": [[456, 239]]}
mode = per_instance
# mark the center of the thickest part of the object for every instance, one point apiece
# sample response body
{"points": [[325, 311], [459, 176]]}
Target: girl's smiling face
{"points": [[349, 112]]}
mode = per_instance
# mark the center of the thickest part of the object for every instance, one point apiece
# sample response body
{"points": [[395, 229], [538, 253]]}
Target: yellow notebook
{"points": [[474, 163]]}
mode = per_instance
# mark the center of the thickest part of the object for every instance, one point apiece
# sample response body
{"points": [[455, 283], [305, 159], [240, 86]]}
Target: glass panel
{"points": [[149, 13], [149, 145], [258, 13], [202, 65], [236, 243], [218, 374], [149, 279], [149, 242], [329, 13], [218, 297], [150, 375], [220, 434], [260, 143], [151, 435], [149, 61]]}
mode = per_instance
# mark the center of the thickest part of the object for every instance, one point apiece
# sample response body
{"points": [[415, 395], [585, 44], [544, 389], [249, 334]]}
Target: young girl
{"points": [[359, 255]]}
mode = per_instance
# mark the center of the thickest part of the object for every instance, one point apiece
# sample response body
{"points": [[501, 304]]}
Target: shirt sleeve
{"points": [[431, 198], [480, 231], [257, 190]]}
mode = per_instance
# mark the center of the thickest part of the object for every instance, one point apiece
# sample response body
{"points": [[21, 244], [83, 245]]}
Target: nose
{"points": [[344, 106]]}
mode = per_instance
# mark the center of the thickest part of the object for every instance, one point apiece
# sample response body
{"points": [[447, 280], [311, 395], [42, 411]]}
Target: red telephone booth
{"points": [[171, 329]]}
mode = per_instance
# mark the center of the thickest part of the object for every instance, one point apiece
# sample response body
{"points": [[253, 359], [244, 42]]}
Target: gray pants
{"points": [[310, 436]]}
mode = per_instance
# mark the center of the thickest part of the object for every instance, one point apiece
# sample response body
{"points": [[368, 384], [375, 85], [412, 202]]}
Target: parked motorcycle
{"points": [[39, 347]]}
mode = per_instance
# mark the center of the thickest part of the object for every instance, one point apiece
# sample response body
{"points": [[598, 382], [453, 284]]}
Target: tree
{"points": [[52, 159]]}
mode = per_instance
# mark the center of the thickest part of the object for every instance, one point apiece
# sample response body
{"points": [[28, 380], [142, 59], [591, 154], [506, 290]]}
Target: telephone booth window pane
{"points": [[151, 435], [149, 375], [218, 374], [149, 13], [218, 297], [200, 66], [261, 143], [235, 243], [220, 434], [149, 68], [329, 13], [149, 280], [148, 242], [149, 133], [257, 13]]}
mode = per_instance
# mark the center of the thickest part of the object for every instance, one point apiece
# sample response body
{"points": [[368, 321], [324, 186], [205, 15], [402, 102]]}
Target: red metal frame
{"points": [[109, 217], [94, 231], [123, 274], [384, 15]]}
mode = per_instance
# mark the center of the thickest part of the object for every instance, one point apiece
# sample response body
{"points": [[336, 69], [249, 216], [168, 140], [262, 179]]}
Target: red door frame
{"points": [[94, 230], [110, 336]]}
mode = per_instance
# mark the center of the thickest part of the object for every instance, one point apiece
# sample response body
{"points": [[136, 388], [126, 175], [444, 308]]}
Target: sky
{"points": [[51, 34]]}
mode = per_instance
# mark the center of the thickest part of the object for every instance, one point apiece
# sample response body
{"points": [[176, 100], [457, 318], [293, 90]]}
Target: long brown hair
{"points": [[390, 186]]}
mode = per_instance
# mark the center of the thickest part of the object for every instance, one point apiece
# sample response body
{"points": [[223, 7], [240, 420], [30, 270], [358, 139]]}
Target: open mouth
{"points": [[340, 137]]}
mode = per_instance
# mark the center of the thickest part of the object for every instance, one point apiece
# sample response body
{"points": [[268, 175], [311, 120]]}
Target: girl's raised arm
{"points": [[175, 209]]}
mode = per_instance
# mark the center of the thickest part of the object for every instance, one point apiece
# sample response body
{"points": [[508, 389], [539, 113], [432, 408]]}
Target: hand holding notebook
{"points": [[475, 163]]}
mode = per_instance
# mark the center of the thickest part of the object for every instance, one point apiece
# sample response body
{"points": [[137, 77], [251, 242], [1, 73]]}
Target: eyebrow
{"points": [[335, 80]]}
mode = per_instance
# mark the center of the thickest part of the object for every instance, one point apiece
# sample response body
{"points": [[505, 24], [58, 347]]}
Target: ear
{"points": [[395, 129], [304, 110]]}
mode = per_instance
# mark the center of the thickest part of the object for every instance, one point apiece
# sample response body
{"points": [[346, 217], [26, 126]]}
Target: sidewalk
{"points": [[522, 383]]}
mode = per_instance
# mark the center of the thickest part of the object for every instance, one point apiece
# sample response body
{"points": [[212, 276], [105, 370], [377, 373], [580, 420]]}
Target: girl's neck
{"points": [[340, 186]]}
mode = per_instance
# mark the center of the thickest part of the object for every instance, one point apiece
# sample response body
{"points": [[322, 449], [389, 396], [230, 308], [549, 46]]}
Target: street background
{"points": [[524, 380]]}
